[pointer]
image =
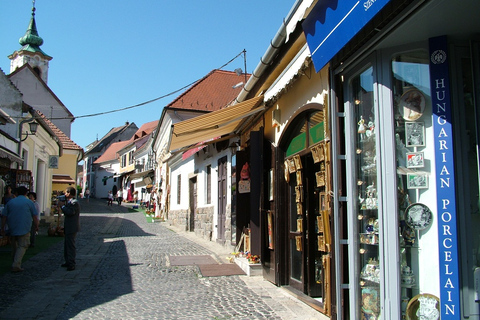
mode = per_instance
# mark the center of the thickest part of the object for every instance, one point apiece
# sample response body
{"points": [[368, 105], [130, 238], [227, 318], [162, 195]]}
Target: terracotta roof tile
{"points": [[66, 142], [111, 152], [213, 92], [146, 129]]}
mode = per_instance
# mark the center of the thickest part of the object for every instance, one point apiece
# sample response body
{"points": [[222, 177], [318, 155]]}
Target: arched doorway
{"points": [[307, 212]]}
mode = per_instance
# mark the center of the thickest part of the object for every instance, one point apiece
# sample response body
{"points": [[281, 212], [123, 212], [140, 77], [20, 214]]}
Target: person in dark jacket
{"points": [[71, 211]]}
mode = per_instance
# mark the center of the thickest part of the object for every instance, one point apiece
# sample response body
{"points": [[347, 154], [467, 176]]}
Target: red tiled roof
{"points": [[111, 152], [66, 142], [213, 92], [145, 129]]}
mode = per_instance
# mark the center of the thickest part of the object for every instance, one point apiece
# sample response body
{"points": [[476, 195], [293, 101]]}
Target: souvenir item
{"points": [[299, 194], [286, 172], [291, 165], [320, 176], [415, 160], [361, 128], [298, 162], [369, 238], [408, 234], [298, 243], [299, 225], [320, 223], [417, 181], [299, 208], [321, 243], [408, 278], [415, 134], [370, 302], [371, 271], [411, 105], [424, 306], [315, 154], [418, 216], [245, 173], [299, 178]]}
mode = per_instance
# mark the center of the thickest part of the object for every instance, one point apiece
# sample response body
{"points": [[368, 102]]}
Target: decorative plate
{"points": [[411, 105], [418, 216], [423, 306]]}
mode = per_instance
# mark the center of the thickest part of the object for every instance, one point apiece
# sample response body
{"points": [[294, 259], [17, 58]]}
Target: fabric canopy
{"points": [[214, 124], [60, 178]]}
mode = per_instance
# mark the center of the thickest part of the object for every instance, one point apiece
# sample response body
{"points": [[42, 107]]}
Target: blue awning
{"points": [[332, 23]]}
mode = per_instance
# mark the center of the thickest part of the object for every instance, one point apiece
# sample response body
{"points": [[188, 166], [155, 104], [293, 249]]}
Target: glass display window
{"points": [[416, 190]]}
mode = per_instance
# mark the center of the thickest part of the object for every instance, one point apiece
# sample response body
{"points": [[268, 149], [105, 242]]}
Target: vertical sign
{"points": [[445, 179]]}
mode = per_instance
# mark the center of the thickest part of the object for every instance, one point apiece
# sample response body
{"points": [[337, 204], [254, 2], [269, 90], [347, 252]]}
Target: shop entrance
{"points": [[307, 166]]}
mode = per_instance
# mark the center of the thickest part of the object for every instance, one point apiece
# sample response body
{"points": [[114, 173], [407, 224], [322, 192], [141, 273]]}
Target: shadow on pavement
{"points": [[99, 239]]}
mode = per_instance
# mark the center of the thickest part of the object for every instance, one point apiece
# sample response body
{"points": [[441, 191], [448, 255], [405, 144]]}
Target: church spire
{"points": [[31, 41], [30, 51]]}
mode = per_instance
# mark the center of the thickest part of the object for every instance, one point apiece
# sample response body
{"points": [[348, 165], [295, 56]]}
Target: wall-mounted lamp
{"points": [[235, 146], [33, 130]]}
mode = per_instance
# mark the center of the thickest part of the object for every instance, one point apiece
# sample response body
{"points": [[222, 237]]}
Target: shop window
{"points": [[415, 176]]}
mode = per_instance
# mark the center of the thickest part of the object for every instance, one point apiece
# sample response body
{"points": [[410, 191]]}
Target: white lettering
{"points": [[447, 272], [448, 256], [446, 216], [449, 295], [449, 284], [441, 97], [367, 4], [450, 309], [445, 202], [446, 231], [444, 157], [443, 144], [442, 133], [445, 183], [444, 171], [445, 243], [441, 120], [440, 83]]}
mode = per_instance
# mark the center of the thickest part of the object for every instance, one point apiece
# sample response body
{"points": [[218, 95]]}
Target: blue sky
{"points": [[109, 55]]}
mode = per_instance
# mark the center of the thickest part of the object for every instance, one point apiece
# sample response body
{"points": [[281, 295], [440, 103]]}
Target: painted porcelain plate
{"points": [[418, 216], [423, 306], [411, 105]]}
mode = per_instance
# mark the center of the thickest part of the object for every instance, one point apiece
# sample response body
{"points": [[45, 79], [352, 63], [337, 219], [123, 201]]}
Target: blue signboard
{"points": [[332, 23], [445, 180]]}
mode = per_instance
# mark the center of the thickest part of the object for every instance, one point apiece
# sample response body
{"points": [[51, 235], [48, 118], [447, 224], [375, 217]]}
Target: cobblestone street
{"points": [[123, 272]]}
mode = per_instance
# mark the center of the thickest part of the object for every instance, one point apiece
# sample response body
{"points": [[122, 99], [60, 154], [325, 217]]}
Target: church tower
{"points": [[30, 51]]}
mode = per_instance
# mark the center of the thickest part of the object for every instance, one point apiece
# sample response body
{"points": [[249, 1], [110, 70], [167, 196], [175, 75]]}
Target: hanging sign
{"points": [[445, 179]]}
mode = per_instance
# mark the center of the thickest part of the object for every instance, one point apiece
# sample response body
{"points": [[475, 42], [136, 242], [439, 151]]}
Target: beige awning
{"points": [[62, 178], [214, 124]]}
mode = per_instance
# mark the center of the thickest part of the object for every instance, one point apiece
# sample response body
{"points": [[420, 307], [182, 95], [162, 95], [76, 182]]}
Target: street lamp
{"points": [[33, 130]]}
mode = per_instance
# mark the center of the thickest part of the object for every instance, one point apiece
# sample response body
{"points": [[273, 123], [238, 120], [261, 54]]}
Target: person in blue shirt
{"points": [[19, 213]]}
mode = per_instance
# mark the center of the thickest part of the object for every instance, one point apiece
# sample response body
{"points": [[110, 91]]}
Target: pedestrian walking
{"points": [[120, 196], [71, 225], [87, 194], [110, 198], [33, 232], [19, 213]]}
